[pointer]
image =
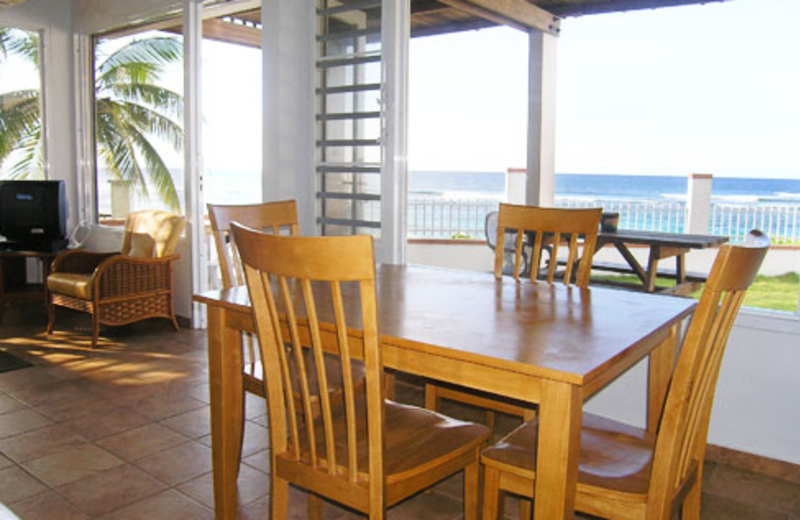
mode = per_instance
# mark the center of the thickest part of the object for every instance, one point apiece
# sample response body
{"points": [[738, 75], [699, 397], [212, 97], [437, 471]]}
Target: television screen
{"points": [[33, 213]]}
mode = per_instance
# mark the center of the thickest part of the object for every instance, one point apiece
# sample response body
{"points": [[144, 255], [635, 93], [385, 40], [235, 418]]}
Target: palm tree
{"points": [[132, 114], [20, 121]]}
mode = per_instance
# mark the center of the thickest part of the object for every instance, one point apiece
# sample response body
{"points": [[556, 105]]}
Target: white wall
{"points": [[54, 19]]}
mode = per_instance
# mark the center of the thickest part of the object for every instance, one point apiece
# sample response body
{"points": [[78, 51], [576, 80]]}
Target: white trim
{"points": [[541, 118], [84, 129], [192, 128], [395, 34], [771, 321]]}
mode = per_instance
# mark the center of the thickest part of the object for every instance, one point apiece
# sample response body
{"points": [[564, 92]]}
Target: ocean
{"points": [[491, 185]]}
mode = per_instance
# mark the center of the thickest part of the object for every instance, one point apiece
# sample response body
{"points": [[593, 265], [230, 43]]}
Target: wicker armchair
{"points": [[120, 288]]}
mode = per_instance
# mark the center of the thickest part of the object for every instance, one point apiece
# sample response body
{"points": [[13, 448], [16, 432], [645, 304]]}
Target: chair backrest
{"points": [[151, 233], [682, 433], [550, 226], [274, 217], [306, 277]]}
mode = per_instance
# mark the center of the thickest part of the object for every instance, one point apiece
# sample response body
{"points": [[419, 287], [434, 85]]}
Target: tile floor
{"points": [[122, 433]]}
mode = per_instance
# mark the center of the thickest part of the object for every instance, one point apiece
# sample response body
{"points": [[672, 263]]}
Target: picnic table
{"points": [[661, 246]]}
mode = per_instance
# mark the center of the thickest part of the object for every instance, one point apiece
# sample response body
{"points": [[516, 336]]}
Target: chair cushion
{"points": [[71, 284], [142, 246], [161, 227], [613, 455]]}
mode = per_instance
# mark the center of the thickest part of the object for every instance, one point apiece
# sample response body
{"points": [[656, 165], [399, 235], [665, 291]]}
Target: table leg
{"points": [[225, 367], [652, 269], [661, 363], [559, 444]]}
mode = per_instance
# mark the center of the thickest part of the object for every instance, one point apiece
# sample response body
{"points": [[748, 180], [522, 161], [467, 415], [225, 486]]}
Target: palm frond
{"points": [[157, 172], [19, 117], [141, 61], [154, 97]]}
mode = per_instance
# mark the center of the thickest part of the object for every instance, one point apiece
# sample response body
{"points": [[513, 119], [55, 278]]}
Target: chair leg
{"points": [[51, 315], [690, 510], [491, 493], [95, 329], [314, 507], [430, 396], [489, 419], [279, 499], [525, 509], [174, 322], [472, 491]]}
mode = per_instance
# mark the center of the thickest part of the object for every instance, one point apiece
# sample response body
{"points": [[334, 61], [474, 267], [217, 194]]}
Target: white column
{"points": [[698, 203], [541, 119], [192, 40], [395, 34], [288, 42], [516, 185]]}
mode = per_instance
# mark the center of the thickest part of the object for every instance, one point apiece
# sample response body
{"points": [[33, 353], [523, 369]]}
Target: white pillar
{"points": [[541, 119], [288, 51], [698, 203], [516, 180]]}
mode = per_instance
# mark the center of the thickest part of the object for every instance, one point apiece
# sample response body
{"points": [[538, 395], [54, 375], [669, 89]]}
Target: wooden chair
{"points": [[120, 288], [631, 473], [549, 226], [277, 217], [362, 450]]}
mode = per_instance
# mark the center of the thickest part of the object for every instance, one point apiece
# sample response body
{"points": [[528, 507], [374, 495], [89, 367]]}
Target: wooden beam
{"points": [[219, 30], [518, 14]]}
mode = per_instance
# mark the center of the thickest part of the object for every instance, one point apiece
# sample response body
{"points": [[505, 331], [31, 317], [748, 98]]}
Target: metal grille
{"points": [[349, 117]]}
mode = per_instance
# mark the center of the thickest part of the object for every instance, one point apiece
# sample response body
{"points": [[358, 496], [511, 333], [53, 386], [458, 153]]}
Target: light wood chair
{"points": [[362, 450], [631, 473], [125, 287], [550, 226], [276, 217]]}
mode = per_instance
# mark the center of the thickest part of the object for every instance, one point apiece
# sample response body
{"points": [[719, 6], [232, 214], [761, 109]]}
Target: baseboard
{"points": [[184, 321], [755, 463]]}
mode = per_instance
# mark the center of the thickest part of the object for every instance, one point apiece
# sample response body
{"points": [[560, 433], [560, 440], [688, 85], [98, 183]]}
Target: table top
{"points": [[631, 236], [551, 331]]}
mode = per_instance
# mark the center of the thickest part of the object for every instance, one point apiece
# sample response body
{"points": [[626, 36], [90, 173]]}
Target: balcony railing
{"points": [[447, 219]]}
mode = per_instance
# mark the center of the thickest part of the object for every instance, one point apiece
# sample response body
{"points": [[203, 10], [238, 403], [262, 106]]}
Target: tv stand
{"points": [[14, 287]]}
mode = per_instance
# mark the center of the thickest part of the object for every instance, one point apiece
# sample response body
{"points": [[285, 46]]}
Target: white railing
{"points": [[780, 222], [442, 218]]}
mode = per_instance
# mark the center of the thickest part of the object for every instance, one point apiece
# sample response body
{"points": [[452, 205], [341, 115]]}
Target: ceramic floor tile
{"points": [[194, 424], [39, 443], [718, 508], [106, 423], [260, 461], [428, 505], [169, 505], [73, 407], [111, 489], [47, 506], [252, 485], [140, 442], [9, 404], [72, 464], [21, 421], [766, 493], [16, 484], [5, 461], [158, 407], [178, 464]]}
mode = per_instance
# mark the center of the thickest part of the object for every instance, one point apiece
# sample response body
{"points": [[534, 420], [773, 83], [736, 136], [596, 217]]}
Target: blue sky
{"points": [[711, 88]]}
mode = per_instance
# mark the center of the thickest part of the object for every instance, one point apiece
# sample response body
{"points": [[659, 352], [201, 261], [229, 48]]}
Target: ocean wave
{"points": [[680, 197]]}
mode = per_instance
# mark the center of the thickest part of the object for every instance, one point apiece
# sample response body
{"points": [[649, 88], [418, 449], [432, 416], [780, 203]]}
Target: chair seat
{"points": [[71, 284], [612, 456], [415, 439]]}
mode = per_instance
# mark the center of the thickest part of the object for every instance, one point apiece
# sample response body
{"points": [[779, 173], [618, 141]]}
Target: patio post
{"points": [[515, 185], [698, 203], [541, 119]]}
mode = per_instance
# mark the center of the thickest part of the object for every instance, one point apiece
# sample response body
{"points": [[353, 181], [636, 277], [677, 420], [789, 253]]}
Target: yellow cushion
{"points": [[162, 227], [142, 246], [70, 284]]}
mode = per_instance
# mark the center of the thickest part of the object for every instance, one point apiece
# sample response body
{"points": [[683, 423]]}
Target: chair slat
{"points": [[322, 376], [347, 378]]}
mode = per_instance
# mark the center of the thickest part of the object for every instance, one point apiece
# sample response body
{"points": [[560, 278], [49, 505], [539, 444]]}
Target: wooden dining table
{"points": [[546, 344]]}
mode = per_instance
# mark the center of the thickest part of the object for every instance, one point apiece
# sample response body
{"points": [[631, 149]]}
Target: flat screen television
{"points": [[33, 215]]}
